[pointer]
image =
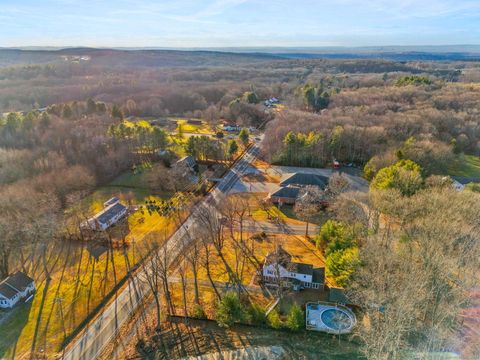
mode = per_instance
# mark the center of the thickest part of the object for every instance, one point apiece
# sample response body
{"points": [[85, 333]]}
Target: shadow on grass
{"points": [[12, 323]]}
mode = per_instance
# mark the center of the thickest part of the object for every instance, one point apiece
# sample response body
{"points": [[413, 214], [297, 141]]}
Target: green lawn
{"points": [[465, 165], [130, 187], [203, 129]]}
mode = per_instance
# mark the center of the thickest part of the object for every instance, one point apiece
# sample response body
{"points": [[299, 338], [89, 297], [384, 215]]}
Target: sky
{"points": [[238, 23]]}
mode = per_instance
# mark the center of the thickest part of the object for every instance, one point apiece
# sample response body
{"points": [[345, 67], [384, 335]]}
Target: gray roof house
{"points": [[112, 212], [14, 288], [285, 195], [304, 179], [187, 161], [279, 268], [290, 187]]}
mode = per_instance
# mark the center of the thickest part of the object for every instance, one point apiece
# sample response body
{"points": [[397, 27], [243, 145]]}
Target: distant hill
{"points": [[229, 56], [135, 58]]}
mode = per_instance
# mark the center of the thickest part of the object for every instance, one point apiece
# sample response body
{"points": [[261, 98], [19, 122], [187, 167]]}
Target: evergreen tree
{"points": [[296, 318], [244, 136], [229, 310], [232, 148]]}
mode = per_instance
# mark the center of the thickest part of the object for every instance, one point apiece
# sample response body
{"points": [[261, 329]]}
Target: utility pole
{"points": [[59, 300]]}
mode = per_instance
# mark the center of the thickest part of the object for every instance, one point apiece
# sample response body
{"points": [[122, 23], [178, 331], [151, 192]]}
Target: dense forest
{"points": [[61, 132]]}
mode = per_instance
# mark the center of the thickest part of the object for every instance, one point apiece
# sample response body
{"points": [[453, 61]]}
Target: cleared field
{"points": [[183, 125]]}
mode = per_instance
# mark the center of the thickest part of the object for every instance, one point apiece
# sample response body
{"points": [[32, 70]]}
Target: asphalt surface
{"points": [[279, 228], [107, 324]]}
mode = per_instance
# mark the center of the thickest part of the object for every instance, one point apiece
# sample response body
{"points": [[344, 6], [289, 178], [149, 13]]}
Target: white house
{"points": [[231, 127], [112, 212], [457, 185], [14, 288], [271, 102], [279, 268]]}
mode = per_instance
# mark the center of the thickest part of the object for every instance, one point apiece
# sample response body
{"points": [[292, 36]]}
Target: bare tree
{"points": [[193, 258], [416, 275], [337, 184], [151, 274], [211, 224], [309, 204]]}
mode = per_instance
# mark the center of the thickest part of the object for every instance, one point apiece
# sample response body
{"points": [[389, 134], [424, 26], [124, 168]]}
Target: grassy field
{"points": [[203, 129], [465, 165]]}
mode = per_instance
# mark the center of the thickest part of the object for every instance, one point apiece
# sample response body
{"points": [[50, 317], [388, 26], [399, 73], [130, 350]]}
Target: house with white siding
{"points": [[279, 269], [111, 213], [14, 288]]}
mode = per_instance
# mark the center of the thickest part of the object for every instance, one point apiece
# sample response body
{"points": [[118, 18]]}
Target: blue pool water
{"points": [[336, 319]]}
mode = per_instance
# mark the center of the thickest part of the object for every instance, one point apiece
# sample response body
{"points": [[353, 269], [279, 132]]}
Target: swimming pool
{"points": [[329, 318], [336, 319]]}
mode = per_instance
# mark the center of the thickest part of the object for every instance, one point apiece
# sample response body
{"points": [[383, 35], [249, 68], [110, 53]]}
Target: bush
{"points": [[296, 318], [256, 315], [274, 321], [413, 80], [198, 312], [244, 136], [229, 310], [259, 236], [334, 236]]}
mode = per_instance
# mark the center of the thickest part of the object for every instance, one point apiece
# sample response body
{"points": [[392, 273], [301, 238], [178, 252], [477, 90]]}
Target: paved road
{"points": [[273, 228], [105, 327]]}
